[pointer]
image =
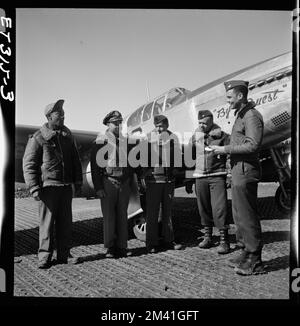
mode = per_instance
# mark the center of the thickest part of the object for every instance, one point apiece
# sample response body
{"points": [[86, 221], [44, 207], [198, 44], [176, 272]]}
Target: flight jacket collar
{"points": [[48, 133], [241, 112]]}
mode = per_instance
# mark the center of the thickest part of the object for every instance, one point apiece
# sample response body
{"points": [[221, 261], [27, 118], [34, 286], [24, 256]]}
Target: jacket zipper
{"points": [[205, 156], [62, 155]]}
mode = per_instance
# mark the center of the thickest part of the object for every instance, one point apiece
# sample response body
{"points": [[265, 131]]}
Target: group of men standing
{"points": [[52, 167], [112, 174]]}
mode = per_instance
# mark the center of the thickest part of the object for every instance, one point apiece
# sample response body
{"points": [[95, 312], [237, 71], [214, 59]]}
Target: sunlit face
{"points": [[161, 127], [205, 124], [115, 127], [234, 99], [56, 119]]}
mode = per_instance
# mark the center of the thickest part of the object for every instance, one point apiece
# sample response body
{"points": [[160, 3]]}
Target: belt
{"points": [[157, 179]]}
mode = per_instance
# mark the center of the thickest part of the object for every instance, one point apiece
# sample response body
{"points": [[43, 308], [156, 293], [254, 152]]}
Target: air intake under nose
{"points": [[281, 119]]}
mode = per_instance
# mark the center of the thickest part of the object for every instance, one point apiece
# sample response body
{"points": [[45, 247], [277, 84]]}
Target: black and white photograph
{"points": [[153, 157]]}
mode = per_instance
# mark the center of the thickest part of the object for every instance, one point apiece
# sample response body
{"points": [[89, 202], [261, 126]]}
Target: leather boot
{"points": [[252, 265], [224, 247], [238, 245], [207, 241], [110, 252], [234, 262], [171, 245]]}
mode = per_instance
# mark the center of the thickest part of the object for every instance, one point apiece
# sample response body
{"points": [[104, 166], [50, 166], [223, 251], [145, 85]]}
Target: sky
{"points": [[99, 60]]}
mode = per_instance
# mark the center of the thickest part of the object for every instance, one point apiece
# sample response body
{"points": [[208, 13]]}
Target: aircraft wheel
{"points": [[139, 228], [283, 203]]}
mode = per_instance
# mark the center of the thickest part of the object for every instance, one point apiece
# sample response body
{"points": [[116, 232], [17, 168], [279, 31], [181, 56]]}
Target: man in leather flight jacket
{"points": [[112, 176], [164, 150], [245, 142], [210, 180], [51, 165]]}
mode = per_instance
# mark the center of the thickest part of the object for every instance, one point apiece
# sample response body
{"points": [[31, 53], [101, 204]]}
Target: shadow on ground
{"points": [[266, 208], [186, 220], [277, 264]]}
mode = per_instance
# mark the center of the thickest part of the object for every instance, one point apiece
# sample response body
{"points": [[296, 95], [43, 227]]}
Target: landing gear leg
{"points": [[283, 193], [283, 199]]}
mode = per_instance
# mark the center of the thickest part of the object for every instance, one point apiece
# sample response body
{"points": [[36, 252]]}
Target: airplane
{"points": [[270, 84]]}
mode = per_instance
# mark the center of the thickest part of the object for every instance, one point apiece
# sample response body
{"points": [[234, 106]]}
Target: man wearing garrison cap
{"points": [[51, 165], [112, 176], [160, 183], [209, 177], [244, 147]]}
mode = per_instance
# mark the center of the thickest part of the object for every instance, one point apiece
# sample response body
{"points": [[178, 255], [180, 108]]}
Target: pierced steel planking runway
{"points": [[188, 273]]}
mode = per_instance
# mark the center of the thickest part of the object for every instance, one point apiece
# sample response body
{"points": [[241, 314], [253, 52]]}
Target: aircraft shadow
{"points": [[277, 264], [188, 228], [87, 232], [275, 236], [84, 233], [266, 208], [186, 223], [93, 257]]}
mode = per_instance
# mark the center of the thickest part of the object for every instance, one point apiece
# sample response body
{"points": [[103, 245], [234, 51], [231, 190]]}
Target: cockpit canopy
{"points": [[159, 105]]}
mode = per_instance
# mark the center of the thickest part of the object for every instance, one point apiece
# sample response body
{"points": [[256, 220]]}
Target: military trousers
{"points": [[159, 195], [212, 201], [55, 209], [245, 178], [114, 209]]}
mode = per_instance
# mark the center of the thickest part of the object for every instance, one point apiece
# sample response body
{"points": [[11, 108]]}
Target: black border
{"points": [[87, 308]]}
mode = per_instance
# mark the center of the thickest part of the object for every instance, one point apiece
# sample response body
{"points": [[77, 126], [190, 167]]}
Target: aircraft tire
{"points": [[139, 228], [283, 204]]}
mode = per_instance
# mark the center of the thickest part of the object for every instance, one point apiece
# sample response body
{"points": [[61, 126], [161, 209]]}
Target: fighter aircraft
{"points": [[269, 87]]}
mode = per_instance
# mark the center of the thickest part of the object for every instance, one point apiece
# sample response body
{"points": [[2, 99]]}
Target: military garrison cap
{"points": [[234, 83], [112, 116], [204, 113], [160, 118], [54, 107]]}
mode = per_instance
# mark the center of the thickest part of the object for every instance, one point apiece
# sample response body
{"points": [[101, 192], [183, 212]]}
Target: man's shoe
{"points": [[152, 250], [172, 246], [123, 252], [44, 264], [71, 260], [238, 246], [223, 248], [207, 241], [110, 253], [61, 261], [129, 253], [252, 265], [74, 260], [234, 262], [177, 246]]}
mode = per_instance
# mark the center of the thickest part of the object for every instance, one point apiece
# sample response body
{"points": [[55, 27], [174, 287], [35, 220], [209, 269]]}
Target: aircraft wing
{"points": [[84, 140]]}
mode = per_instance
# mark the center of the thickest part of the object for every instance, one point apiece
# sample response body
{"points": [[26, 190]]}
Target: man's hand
{"points": [[37, 195], [101, 193], [143, 185], [218, 149], [189, 188]]}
